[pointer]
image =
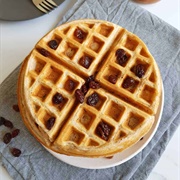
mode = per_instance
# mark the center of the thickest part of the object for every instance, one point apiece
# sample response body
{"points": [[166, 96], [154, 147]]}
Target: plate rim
{"points": [[39, 14]]}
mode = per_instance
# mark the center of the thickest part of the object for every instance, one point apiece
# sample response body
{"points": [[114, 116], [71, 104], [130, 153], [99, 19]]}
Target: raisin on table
{"points": [[2, 121], [16, 107], [15, 133], [7, 138], [16, 152], [8, 124]]}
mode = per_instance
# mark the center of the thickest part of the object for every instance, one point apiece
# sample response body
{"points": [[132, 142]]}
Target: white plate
{"points": [[119, 158]]}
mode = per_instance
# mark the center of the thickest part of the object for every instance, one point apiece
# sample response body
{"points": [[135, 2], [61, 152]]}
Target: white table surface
{"points": [[18, 38]]}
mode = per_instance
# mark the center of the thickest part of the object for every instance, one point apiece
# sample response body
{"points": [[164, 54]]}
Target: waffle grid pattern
{"points": [[145, 88], [47, 74], [45, 80], [122, 119]]}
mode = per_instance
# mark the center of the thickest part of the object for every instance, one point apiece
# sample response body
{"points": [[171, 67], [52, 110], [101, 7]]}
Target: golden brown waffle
{"points": [[128, 97]]}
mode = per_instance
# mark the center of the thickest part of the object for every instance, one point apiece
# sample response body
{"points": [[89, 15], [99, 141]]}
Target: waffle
{"points": [[89, 88]]}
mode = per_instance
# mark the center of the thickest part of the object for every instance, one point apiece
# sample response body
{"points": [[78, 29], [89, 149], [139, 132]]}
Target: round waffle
{"points": [[89, 88]]}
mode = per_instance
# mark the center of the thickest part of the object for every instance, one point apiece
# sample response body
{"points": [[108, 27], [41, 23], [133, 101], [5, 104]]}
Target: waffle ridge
{"points": [[126, 113]]}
